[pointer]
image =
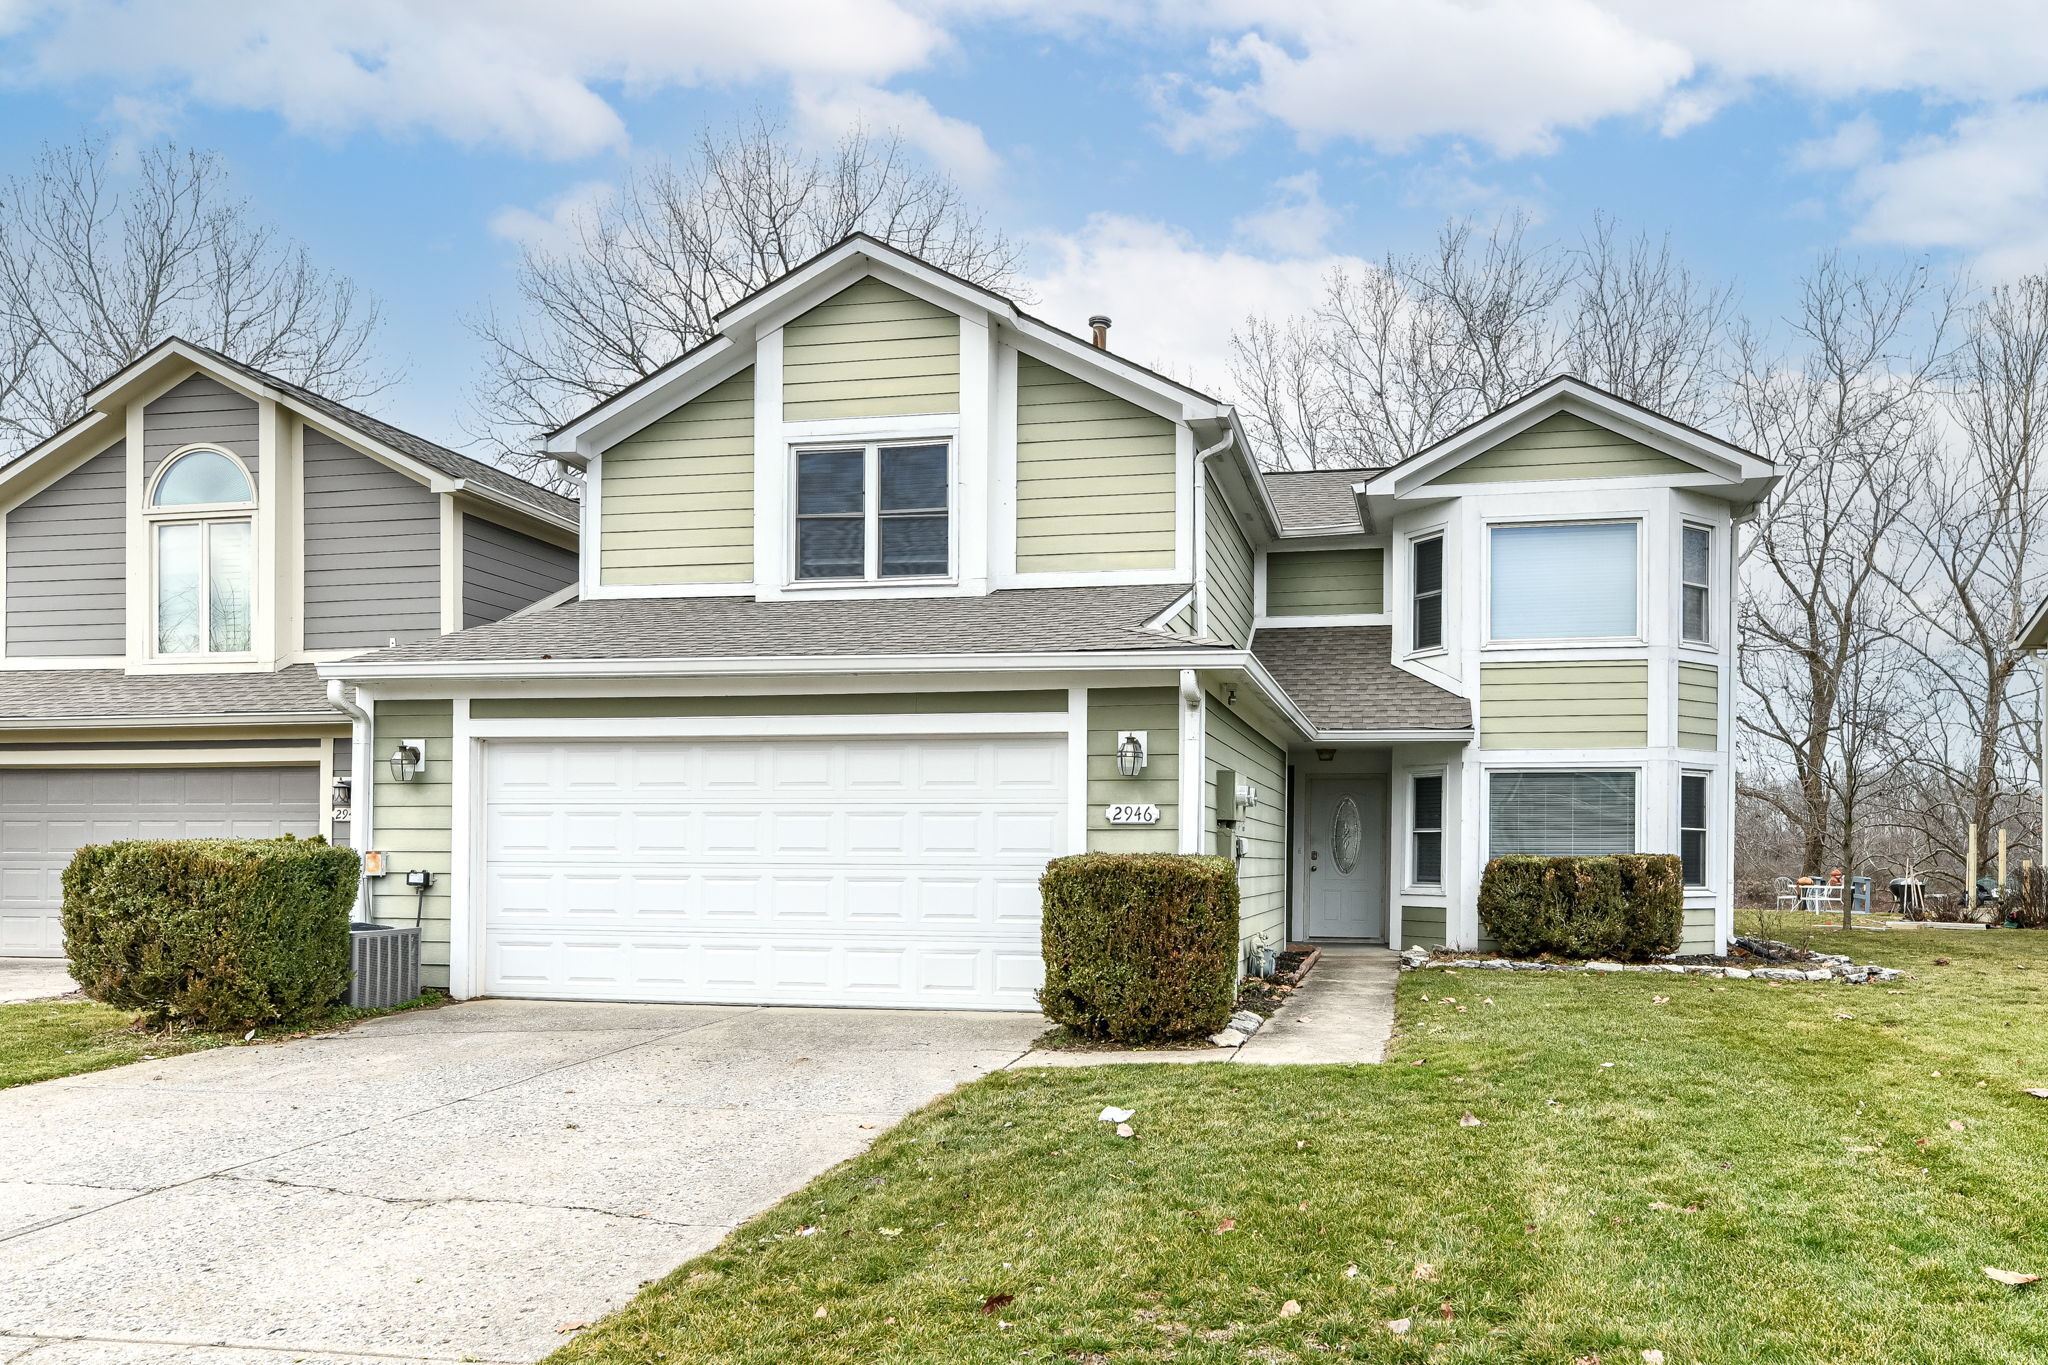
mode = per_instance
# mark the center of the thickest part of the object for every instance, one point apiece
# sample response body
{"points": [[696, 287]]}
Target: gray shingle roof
{"points": [[1018, 621], [1316, 499], [452, 463], [89, 695], [1344, 678]]}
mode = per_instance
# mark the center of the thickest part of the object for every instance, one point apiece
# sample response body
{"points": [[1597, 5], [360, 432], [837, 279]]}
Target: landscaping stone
{"points": [[1797, 964]]}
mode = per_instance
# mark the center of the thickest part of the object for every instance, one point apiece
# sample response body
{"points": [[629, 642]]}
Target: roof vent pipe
{"points": [[1100, 322]]}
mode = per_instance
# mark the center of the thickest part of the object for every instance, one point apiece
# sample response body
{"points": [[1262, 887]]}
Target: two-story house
{"points": [[175, 562], [891, 592]]}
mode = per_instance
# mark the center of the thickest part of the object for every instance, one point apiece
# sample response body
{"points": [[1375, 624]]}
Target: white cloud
{"points": [[1174, 301], [560, 221], [1296, 222], [516, 73], [1981, 189], [952, 144], [1851, 144]]}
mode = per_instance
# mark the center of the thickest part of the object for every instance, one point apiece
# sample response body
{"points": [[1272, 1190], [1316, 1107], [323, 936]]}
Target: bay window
{"points": [[1692, 827], [874, 512], [1564, 581], [202, 529], [1561, 814]]}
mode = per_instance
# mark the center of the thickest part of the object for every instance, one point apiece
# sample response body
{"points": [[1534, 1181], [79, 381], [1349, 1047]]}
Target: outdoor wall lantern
{"points": [[408, 760], [341, 793], [1130, 752]]}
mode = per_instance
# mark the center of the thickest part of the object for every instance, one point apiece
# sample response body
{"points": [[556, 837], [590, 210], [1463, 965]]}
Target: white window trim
{"points": [[1706, 830], [1443, 592], [206, 515], [1409, 885], [871, 447], [1491, 642], [1484, 842], [1713, 549]]}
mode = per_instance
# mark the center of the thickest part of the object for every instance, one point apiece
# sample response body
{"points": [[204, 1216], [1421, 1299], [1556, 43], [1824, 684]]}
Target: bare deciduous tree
{"points": [[642, 274], [99, 263], [1644, 326]]}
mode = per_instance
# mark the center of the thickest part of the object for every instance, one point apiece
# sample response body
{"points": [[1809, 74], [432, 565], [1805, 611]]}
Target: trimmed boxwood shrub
{"points": [[211, 933], [1627, 906], [1140, 947]]}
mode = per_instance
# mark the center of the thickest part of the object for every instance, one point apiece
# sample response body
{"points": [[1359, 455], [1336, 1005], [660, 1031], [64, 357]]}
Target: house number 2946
{"points": [[1134, 815]]}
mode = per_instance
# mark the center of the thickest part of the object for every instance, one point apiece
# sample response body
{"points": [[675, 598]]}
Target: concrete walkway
{"points": [[453, 1184], [33, 978], [1344, 1013]]}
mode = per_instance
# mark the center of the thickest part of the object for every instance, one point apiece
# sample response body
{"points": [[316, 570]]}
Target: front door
{"points": [[1347, 842]]}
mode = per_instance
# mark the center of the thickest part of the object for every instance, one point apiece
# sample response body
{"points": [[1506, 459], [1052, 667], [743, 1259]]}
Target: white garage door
{"points": [[897, 872], [47, 813]]}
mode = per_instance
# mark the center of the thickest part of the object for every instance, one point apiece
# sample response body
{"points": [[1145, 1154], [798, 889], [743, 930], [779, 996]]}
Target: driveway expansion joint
{"points": [[43, 1339]]}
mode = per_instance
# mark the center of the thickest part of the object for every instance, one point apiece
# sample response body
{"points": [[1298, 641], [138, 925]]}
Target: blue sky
{"points": [[1176, 165]]}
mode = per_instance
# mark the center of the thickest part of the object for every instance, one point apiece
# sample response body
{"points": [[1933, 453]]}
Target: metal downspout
{"points": [[359, 781]]}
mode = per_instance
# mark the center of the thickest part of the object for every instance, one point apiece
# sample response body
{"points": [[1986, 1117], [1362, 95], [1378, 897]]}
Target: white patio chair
{"points": [[1788, 893]]}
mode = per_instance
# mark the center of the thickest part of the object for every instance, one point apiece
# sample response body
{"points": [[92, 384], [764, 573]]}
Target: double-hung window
{"points": [[1426, 573], [1692, 827], [1559, 814], [1696, 561], [1564, 581], [874, 512], [202, 541], [1426, 830]]}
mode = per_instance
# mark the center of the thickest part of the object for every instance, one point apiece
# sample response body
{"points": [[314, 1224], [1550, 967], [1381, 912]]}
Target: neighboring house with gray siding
{"points": [[173, 566], [890, 592]]}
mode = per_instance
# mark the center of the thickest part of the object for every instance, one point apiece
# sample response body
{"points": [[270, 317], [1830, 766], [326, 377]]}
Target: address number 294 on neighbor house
{"points": [[1134, 815]]}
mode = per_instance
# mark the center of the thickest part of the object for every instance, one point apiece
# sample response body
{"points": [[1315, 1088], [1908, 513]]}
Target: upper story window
{"points": [[874, 512], [202, 515], [1426, 621], [1696, 561], [1567, 581]]}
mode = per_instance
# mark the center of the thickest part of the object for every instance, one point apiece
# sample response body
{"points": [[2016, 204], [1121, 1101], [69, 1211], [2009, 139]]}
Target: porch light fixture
{"points": [[1325, 755], [340, 792], [1130, 752], [408, 760]]}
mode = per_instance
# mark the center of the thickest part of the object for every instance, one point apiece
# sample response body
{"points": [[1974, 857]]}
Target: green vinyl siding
{"points": [[1564, 447], [1182, 622], [1422, 925], [1699, 706], [412, 823], [1096, 483], [1591, 705], [1698, 934], [1155, 710], [1325, 583], [1262, 876], [871, 350], [677, 496], [851, 704], [1230, 574]]}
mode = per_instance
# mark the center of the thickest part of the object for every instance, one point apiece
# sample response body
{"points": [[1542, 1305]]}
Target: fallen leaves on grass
{"points": [[1471, 1120], [1653, 1356], [1111, 1114], [572, 1327], [995, 1302], [1424, 1271], [1400, 1326], [2039, 1094], [821, 1312], [1125, 1130], [1227, 1225], [1350, 1272], [1958, 1125], [2012, 1277], [1291, 1309]]}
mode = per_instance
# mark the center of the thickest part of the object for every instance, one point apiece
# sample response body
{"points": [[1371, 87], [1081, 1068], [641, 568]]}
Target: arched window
{"points": [[203, 561], [202, 478]]}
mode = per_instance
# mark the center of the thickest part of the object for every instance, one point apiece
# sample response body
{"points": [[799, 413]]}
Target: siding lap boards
{"points": [[871, 350], [1325, 583], [412, 823], [201, 410], [504, 570], [1593, 705], [1563, 446], [678, 495], [373, 550], [1699, 706], [1096, 483], [1155, 710], [1230, 574], [67, 562], [1422, 925], [1262, 876]]}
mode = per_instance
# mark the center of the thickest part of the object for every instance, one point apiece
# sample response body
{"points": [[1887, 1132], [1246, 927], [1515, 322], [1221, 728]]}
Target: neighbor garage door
{"points": [[46, 813], [898, 872]]}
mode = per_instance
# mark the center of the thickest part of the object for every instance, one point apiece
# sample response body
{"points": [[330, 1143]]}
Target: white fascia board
{"points": [[2031, 636], [743, 727], [1396, 736], [1157, 621], [223, 718], [539, 671], [655, 396], [854, 257], [1108, 370]]}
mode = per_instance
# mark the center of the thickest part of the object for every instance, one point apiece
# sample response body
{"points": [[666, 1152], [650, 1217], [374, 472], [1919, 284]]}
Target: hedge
{"points": [[1140, 947], [1629, 906], [211, 933]]}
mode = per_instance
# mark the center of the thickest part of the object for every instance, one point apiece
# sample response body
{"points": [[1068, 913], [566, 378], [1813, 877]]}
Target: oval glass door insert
{"points": [[1347, 833]]}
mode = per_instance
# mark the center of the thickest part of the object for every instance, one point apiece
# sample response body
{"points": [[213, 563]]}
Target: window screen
{"points": [[1692, 827], [1697, 557], [1558, 814], [1426, 865], [1575, 581], [1428, 616]]}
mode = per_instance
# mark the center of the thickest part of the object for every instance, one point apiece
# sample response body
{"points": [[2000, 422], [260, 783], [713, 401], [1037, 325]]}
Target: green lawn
{"points": [[44, 1039], [1754, 1178]]}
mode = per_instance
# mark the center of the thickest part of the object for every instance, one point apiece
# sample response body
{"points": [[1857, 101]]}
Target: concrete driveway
{"points": [[450, 1185], [33, 978]]}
